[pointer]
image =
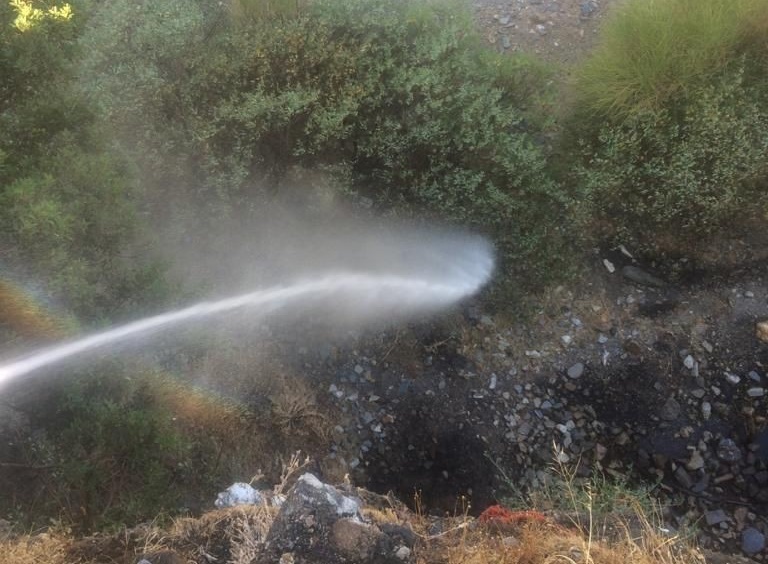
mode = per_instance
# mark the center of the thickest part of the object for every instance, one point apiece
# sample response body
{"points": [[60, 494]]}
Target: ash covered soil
{"points": [[635, 375]]}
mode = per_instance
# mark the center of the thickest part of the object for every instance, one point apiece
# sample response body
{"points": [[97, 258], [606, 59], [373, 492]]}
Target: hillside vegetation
{"points": [[671, 114], [128, 127]]}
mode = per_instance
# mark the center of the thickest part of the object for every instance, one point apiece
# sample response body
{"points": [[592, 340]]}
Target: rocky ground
{"points": [[558, 31], [631, 376]]}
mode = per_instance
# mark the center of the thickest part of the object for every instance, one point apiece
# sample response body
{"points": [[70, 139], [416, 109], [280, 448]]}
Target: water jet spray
{"points": [[379, 294]]}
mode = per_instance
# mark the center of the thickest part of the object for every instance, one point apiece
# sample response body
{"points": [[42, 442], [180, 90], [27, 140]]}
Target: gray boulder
{"points": [[320, 524]]}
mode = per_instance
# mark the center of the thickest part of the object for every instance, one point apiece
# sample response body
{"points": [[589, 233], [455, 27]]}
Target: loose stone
{"points": [[576, 370], [715, 517], [752, 540], [670, 410]]}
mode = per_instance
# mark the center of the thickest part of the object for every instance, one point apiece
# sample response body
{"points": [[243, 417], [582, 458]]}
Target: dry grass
{"points": [[235, 536], [556, 545], [235, 533], [37, 549], [633, 539], [232, 535], [598, 522], [295, 411]]}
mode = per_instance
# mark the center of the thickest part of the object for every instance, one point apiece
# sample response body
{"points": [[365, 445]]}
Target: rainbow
{"points": [[23, 315]]}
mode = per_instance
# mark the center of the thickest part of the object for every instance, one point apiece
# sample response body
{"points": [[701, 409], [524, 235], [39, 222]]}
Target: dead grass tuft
{"points": [[549, 544], [295, 411], [35, 549], [230, 535]]}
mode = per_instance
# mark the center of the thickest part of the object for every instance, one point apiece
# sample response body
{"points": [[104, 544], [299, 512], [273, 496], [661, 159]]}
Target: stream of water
{"points": [[380, 293]]}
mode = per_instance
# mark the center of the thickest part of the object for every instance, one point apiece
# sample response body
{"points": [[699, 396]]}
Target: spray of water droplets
{"points": [[438, 285]]}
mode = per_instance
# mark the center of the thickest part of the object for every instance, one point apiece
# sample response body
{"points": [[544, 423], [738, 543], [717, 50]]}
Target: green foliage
{"points": [[403, 96], [72, 219], [67, 201], [35, 103], [137, 59], [29, 15], [244, 12], [671, 115], [400, 98], [658, 176], [115, 456]]}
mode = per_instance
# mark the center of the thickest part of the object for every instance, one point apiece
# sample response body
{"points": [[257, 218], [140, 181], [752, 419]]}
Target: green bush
{"points": [[671, 116], [401, 97], [245, 11], [656, 176], [67, 199], [72, 219], [114, 455]]}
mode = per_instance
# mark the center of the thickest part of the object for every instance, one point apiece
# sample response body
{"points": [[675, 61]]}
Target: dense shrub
{"points": [[658, 175], [671, 114], [112, 455], [67, 200], [400, 99]]}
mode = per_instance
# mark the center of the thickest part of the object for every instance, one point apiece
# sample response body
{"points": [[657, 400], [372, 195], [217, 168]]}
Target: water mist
{"points": [[428, 276]]}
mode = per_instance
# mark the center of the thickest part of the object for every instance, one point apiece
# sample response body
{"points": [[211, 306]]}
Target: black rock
{"points": [[659, 303], [715, 517], [683, 478], [588, 7]]}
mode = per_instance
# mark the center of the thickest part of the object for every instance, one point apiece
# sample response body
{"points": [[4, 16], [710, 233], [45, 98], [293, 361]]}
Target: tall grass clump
{"points": [[652, 51], [670, 117]]}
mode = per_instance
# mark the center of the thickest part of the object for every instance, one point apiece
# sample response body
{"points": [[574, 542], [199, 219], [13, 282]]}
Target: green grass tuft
{"points": [[653, 50]]}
